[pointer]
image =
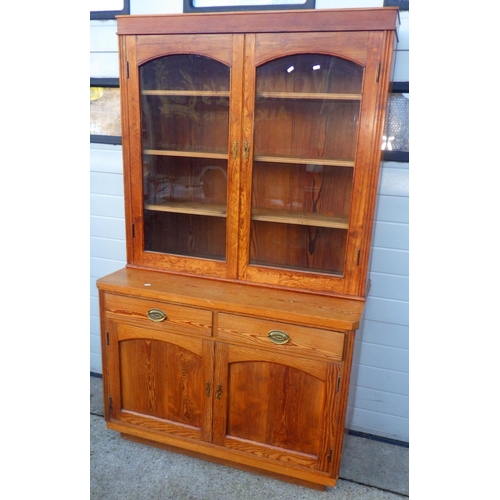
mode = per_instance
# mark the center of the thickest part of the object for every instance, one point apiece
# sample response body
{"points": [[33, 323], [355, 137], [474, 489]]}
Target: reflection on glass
{"points": [[105, 111], [397, 136], [195, 180]]}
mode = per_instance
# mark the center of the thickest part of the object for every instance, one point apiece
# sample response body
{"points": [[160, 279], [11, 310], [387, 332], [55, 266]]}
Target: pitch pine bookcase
{"points": [[251, 149]]}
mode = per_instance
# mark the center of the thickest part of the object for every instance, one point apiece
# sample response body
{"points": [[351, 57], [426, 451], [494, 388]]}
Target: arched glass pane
{"points": [[184, 126], [306, 126]]}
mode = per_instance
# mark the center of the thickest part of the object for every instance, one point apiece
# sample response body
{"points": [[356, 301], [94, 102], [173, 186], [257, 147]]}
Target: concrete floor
{"points": [[123, 470]]}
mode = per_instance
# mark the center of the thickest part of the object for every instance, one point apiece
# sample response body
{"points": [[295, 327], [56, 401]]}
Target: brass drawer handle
{"points": [[156, 315], [278, 337]]}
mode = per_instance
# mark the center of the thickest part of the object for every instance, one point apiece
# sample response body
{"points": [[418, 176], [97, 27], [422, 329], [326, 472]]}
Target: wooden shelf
{"points": [[313, 161], [310, 95], [186, 154], [187, 93], [299, 218], [189, 208], [268, 95]]}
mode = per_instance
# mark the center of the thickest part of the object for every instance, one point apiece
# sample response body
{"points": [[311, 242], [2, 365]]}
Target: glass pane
{"points": [[105, 111], [304, 248], [309, 128], [397, 136], [185, 104], [185, 126], [239, 3], [306, 126], [310, 73]]}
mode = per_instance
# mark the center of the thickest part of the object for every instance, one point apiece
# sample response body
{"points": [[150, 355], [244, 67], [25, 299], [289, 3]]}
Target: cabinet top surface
{"points": [[359, 19], [286, 305]]}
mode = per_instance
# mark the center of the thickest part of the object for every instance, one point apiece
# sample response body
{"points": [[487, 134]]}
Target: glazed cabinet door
{"points": [[309, 133], [276, 408], [158, 381], [183, 111]]}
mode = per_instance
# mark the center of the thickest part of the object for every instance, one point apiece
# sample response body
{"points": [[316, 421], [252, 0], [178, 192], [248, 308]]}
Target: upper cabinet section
{"points": [[252, 143]]}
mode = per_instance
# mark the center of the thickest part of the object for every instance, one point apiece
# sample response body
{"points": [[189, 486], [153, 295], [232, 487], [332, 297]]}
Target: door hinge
{"points": [[128, 72], [378, 71], [133, 230], [110, 405], [338, 384], [359, 255], [107, 338], [330, 455]]}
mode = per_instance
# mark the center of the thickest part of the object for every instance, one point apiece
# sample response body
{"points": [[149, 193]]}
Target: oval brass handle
{"points": [[278, 337], [156, 315]]}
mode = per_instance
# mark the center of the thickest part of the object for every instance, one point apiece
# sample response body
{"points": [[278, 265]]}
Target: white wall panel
{"points": [[112, 206], [95, 326], [106, 158], [95, 363], [393, 209], [385, 334], [381, 402], [389, 260], [93, 289], [101, 267], [105, 227], [404, 31], [390, 235], [394, 181], [382, 424], [94, 306], [382, 379], [95, 343], [104, 183], [104, 65], [387, 311], [103, 37], [389, 286], [105, 248], [402, 66], [387, 358]]}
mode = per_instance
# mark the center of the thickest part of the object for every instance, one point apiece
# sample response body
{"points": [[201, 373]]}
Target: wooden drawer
{"points": [[297, 339], [148, 313]]}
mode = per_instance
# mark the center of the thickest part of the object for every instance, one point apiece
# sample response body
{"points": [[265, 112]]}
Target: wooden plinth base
{"points": [[228, 463]]}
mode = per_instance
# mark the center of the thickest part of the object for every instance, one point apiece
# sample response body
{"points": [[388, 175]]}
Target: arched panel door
{"points": [[275, 408], [182, 194], [161, 381]]}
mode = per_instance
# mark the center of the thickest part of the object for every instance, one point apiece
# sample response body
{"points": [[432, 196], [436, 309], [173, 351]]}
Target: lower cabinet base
{"points": [[230, 463], [244, 376]]}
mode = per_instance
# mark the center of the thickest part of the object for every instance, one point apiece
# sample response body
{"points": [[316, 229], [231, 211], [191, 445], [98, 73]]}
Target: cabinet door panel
{"points": [[301, 167], [275, 407], [184, 200], [160, 380]]}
